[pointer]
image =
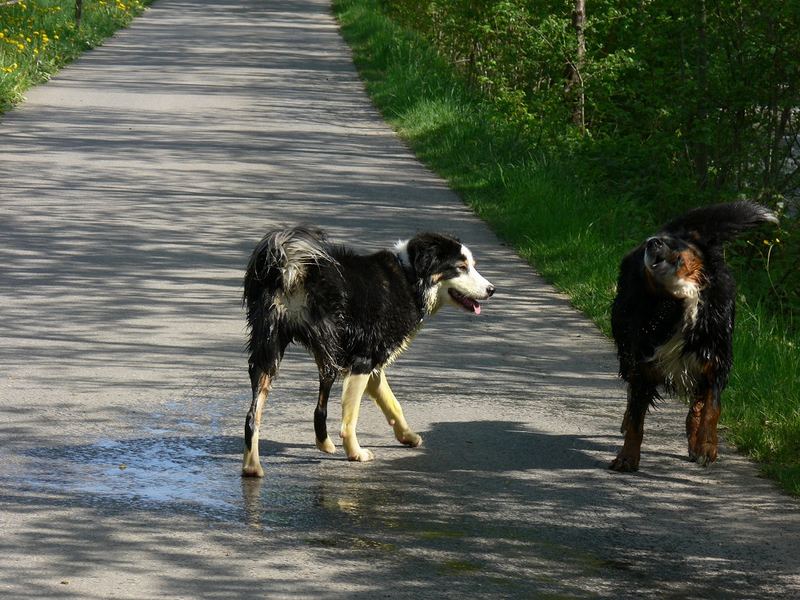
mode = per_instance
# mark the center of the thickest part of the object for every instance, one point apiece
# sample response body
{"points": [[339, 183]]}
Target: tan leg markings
{"points": [[251, 465], [628, 457], [353, 389], [379, 389], [704, 450]]}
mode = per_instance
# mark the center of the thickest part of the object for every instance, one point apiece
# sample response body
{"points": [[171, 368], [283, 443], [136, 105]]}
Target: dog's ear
{"points": [[421, 258]]}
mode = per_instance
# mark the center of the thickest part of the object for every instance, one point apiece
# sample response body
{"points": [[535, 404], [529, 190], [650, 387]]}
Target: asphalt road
{"points": [[132, 189]]}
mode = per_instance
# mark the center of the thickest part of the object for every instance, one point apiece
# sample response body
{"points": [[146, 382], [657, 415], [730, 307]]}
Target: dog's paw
{"points": [[361, 455], [703, 454], [409, 438], [625, 463], [252, 471], [327, 446], [251, 466]]}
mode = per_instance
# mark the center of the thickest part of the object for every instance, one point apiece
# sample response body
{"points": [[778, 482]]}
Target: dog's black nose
{"points": [[654, 244], [490, 291]]}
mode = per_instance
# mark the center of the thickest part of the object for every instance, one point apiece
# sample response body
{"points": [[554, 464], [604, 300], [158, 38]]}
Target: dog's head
{"points": [[674, 265], [445, 270]]}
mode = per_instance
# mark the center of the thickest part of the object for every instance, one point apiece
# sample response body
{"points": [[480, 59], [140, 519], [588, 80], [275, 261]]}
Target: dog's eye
{"points": [[462, 268]]}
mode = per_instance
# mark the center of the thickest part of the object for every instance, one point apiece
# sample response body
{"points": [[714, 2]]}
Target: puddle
{"points": [[195, 475]]}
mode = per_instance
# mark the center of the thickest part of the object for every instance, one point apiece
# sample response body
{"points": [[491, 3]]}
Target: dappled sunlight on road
{"points": [[135, 185]]}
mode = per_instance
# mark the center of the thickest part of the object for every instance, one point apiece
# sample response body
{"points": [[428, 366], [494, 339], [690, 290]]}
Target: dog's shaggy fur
{"points": [[354, 313], [672, 321]]}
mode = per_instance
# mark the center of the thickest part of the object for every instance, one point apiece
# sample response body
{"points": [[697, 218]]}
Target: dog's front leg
{"points": [[323, 440], [379, 389], [639, 400], [353, 389], [701, 425]]}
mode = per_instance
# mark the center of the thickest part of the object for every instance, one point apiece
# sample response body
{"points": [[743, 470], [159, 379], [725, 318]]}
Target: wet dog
{"points": [[672, 321], [354, 313]]}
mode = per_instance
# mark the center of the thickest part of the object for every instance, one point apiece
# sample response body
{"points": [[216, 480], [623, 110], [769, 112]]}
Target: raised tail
{"points": [[720, 222], [277, 267], [279, 261]]}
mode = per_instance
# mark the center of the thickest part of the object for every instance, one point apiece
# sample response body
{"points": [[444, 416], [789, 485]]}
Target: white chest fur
{"points": [[681, 370]]}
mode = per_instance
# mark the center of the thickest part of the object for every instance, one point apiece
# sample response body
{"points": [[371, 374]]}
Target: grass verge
{"points": [[573, 234], [38, 37]]}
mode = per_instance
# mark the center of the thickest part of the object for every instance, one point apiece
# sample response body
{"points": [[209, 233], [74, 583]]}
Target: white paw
{"points": [[361, 455], [409, 438], [327, 446], [252, 470]]}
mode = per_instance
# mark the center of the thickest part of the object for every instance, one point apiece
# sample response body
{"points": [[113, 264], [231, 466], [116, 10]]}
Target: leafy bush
{"points": [[686, 103]]}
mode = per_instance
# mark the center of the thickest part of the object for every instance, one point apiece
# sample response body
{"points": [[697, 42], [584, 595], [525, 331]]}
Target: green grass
{"points": [[38, 37], [573, 233]]}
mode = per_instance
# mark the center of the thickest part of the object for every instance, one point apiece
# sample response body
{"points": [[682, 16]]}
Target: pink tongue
{"points": [[476, 308]]}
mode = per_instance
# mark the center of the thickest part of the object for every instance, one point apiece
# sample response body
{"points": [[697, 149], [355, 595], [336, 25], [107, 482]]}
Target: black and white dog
{"points": [[354, 313]]}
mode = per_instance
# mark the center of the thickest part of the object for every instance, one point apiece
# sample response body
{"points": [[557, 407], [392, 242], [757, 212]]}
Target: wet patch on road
{"points": [[199, 476]]}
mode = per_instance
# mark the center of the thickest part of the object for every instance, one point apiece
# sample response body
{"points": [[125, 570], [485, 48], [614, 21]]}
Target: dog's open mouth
{"points": [[468, 304]]}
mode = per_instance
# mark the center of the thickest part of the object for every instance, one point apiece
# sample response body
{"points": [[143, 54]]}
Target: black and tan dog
{"points": [[672, 321], [354, 313]]}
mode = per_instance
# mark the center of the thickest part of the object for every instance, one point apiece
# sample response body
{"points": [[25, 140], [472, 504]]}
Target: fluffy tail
{"points": [[720, 222], [278, 265], [279, 261]]}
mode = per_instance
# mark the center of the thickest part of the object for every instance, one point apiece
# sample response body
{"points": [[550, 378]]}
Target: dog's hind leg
{"points": [[263, 369], [639, 400], [261, 381], [379, 389], [326, 379], [353, 389]]}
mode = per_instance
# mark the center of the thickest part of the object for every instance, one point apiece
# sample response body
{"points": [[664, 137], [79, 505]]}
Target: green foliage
{"points": [[562, 213], [686, 102], [703, 93], [39, 37]]}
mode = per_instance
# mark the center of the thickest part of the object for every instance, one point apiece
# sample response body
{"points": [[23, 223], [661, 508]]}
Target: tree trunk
{"points": [[701, 146], [574, 86]]}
